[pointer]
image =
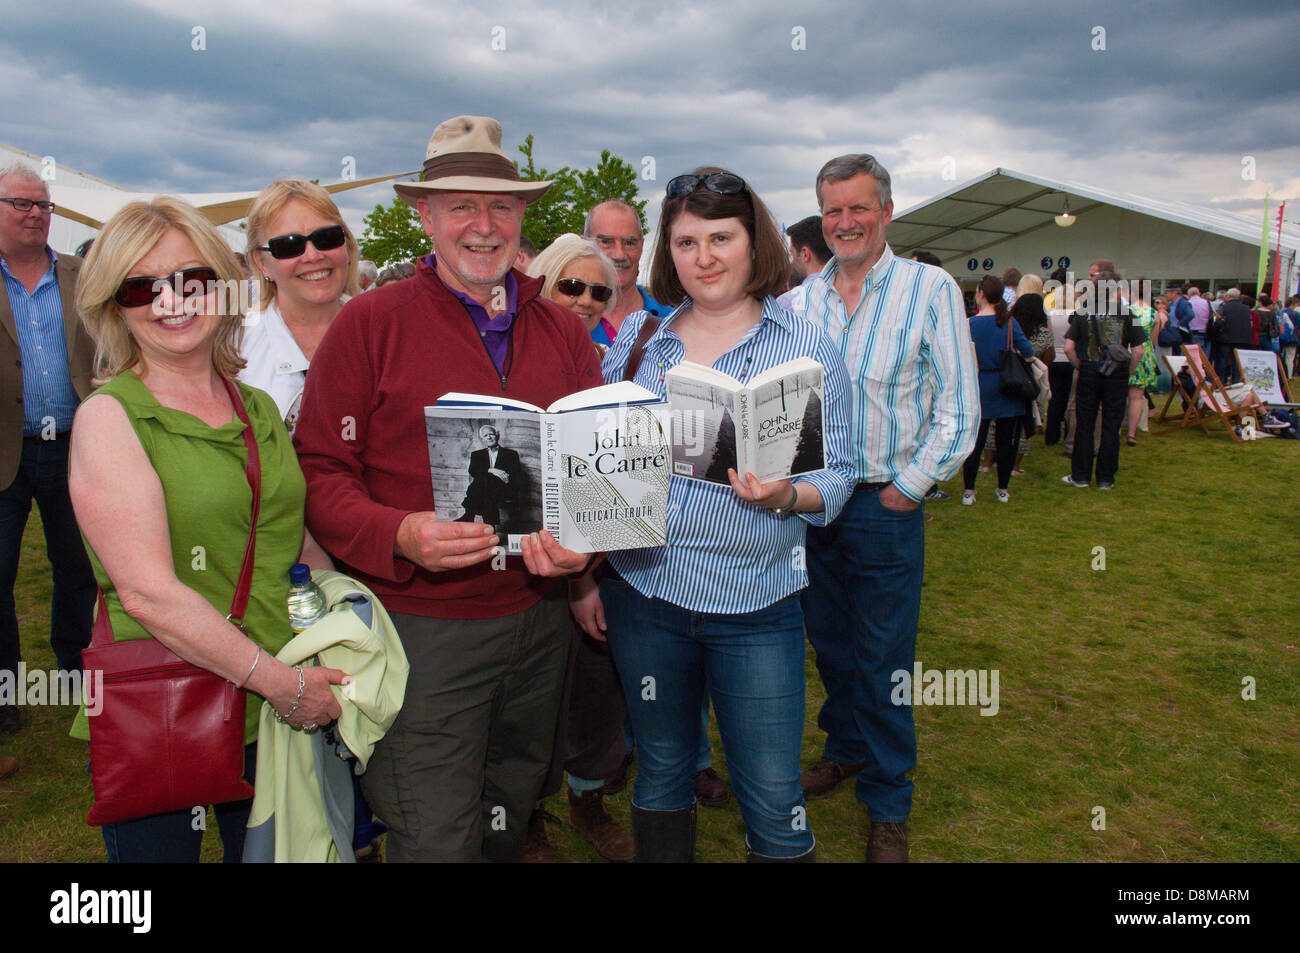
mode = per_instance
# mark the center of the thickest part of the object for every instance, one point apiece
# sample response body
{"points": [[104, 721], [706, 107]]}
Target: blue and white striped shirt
{"points": [[724, 554], [42, 341], [916, 402]]}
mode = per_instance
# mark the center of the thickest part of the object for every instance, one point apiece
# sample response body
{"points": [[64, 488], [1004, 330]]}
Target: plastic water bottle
{"points": [[306, 603]]}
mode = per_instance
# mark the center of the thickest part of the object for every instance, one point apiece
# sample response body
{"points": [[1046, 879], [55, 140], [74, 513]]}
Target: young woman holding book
{"points": [[718, 606]]}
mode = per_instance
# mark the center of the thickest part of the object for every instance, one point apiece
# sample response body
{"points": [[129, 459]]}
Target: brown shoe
{"points": [[887, 844], [711, 790], [8, 765], [825, 776], [537, 847], [587, 813]]}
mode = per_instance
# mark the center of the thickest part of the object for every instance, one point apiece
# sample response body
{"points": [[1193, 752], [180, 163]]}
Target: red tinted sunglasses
{"points": [[189, 283]]}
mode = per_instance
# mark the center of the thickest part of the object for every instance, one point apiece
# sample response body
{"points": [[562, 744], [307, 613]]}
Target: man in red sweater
{"points": [[486, 636]]}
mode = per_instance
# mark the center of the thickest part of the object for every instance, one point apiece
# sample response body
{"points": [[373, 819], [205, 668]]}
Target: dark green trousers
{"points": [[456, 776]]}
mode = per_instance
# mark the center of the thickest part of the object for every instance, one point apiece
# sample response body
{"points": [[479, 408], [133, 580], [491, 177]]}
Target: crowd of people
{"points": [[295, 431]]}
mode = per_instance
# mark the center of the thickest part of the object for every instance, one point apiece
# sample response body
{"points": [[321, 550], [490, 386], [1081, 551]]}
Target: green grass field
{"points": [[1120, 689]]}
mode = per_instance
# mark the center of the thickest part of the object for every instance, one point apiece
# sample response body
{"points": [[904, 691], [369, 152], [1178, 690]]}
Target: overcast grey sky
{"points": [[1161, 99]]}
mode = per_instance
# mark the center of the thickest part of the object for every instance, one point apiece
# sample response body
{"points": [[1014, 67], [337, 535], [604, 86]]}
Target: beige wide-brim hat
{"points": [[465, 155]]}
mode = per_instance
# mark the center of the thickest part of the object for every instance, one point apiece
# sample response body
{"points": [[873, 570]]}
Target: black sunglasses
{"points": [[723, 183], [574, 289], [25, 205], [189, 283], [291, 246]]}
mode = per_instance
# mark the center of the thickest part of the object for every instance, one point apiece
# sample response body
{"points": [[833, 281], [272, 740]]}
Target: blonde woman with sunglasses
{"points": [[305, 261]]}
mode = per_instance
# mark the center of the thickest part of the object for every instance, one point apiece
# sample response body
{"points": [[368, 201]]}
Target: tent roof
{"points": [[1002, 204], [93, 207]]}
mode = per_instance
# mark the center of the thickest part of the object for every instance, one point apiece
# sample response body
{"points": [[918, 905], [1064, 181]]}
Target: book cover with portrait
{"points": [[592, 469]]}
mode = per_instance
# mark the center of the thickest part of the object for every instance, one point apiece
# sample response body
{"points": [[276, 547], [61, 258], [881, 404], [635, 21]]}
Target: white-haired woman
{"points": [[589, 743], [580, 277]]}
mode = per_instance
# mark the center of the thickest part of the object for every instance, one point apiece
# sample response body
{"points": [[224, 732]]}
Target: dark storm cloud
{"points": [[1178, 95]]}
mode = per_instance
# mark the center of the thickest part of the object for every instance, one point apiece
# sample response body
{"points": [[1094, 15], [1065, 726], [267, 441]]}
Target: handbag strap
{"points": [[1009, 320], [253, 471], [102, 634], [648, 329]]}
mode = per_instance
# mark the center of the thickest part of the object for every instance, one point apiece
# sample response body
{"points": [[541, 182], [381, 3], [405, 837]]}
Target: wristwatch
{"points": [[785, 512]]}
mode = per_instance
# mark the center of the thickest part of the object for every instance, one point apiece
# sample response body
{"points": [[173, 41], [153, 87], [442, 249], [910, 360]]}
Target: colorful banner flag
{"points": [[1263, 250], [1277, 268]]}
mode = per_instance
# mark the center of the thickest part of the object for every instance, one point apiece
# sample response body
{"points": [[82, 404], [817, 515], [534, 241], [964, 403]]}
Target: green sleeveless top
{"points": [[209, 507]]}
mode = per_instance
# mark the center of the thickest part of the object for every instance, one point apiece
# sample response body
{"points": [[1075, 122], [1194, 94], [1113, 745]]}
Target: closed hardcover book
{"points": [[770, 426], [592, 469]]}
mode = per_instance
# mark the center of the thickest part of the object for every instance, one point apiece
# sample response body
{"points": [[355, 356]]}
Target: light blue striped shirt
{"points": [[47, 380], [916, 401], [724, 554]]}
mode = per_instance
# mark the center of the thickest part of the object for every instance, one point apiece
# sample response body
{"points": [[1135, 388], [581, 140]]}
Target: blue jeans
{"points": [[752, 664], [43, 476], [173, 839], [704, 750], [861, 610]]}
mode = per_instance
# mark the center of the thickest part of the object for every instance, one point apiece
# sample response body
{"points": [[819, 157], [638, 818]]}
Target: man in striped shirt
{"points": [[902, 330]]}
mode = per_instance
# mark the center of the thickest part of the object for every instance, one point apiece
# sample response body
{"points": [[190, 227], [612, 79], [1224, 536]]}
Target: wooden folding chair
{"points": [[1266, 375], [1175, 363], [1210, 399]]}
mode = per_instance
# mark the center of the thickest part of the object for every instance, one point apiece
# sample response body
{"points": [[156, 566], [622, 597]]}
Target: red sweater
{"points": [[361, 435]]}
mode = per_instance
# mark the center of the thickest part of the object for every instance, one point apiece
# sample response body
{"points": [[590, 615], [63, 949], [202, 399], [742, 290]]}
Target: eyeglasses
{"points": [[723, 183], [574, 289], [189, 283], [25, 205], [291, 246]]}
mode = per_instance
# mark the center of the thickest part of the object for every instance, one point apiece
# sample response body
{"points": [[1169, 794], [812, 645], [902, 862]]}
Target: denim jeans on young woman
{"points": [[753, 666]]}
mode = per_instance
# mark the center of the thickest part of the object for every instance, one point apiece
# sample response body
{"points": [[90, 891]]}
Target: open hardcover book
{"points": [[770, 426], [593, 468]]}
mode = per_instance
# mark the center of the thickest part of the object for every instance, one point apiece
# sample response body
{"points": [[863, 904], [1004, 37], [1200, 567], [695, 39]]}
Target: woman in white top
{"points": [[305, 259]]}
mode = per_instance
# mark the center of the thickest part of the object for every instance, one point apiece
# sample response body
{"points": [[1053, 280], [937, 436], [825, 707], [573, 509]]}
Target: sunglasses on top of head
{"points": [[574, 289], [190, 283], [291, 246], [722, 183]]}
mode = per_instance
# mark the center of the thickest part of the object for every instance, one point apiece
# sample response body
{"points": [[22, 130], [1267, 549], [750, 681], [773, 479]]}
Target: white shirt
{"points": [[796, 299], [1059, 321], [276, 363]]}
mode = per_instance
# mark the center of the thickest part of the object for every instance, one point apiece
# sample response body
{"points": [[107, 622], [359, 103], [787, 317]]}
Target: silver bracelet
{"points": [[302, 684], [256, 658]]}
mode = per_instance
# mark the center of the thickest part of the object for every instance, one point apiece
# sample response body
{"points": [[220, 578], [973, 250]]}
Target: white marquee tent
{"points": [[1004, 218], [84, 202]]}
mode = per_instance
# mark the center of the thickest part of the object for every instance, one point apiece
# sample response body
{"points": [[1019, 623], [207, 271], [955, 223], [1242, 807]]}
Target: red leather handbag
{"points": [[170, 735]]}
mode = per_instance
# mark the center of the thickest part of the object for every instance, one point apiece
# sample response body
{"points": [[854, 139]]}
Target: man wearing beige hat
{"points": [[486, 638]]}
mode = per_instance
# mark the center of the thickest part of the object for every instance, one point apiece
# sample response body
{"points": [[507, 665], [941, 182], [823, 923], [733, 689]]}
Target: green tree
{"points": [[564, 206], [393, 234]]}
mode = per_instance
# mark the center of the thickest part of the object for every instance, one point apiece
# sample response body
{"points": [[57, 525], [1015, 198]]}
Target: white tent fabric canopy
{"points": [[1008, 217], [83, 202], [94, 207]]}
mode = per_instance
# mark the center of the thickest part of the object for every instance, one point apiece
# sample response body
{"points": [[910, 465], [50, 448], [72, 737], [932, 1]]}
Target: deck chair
{"points": [[1175, 363], [1212, 401], [1264, 372]]}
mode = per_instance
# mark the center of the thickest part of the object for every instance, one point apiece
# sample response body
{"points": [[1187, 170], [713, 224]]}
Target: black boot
{"points": [[664, 837]]}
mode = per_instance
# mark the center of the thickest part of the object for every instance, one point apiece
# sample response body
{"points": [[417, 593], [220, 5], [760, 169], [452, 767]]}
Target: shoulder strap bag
{"points": [[1014, 377], [169, 735]]}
